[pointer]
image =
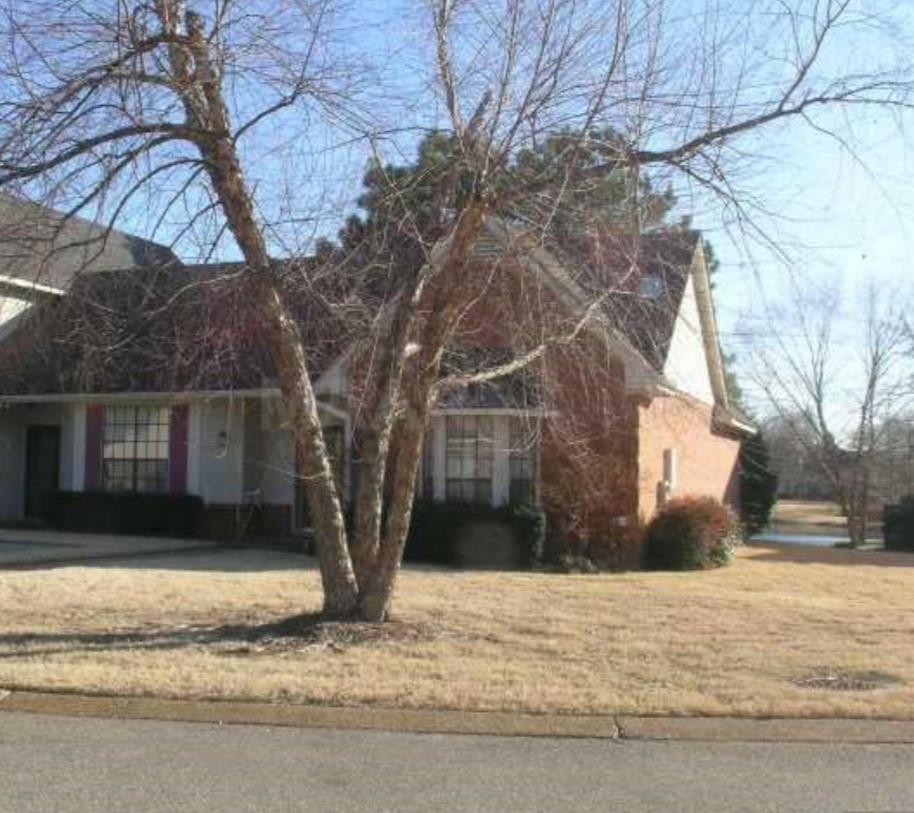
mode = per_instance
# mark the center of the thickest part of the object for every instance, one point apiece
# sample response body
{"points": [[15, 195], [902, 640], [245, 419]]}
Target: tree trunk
{"points": [[381, 397], [451, 291], [377, 589], [198, 83]]}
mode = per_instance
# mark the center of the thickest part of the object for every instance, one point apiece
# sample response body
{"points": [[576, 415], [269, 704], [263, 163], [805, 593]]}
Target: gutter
{"points": [[31, 287]]}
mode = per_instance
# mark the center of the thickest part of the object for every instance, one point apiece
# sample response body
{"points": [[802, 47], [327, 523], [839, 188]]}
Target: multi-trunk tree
{"points": [[101, 101], [837, 397]]}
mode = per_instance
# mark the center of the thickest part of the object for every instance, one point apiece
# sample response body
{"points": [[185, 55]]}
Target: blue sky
{"points": [[841, 218], [823, 211]]}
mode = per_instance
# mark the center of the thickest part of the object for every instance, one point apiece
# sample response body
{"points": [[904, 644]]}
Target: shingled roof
{"points": [[173, 329], [645, 277], [137, 320], [41, 246]]}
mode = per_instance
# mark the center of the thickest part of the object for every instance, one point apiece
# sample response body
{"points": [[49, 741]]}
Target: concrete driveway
{"points": [[25, 548]]}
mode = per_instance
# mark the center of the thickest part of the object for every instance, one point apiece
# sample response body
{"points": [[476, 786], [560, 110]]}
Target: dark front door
{"points": [[42, 467]]}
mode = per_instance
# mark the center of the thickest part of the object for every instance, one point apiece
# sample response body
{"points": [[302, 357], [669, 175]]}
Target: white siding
{"points": [[12, 463], [14, 423], [221, 446], [195, 414], [10, 307], [501, 470], [77, 447], [278, 484], [687, 363]]}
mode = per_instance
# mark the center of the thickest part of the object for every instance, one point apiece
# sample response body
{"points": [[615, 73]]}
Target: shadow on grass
{"points": [[217, 559], [307, 631], [818, 555]]}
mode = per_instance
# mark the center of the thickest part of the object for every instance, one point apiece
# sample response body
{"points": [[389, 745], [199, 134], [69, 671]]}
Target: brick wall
{"points": [[706, 460]]}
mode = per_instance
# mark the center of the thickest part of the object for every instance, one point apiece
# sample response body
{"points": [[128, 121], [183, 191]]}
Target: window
{"points": [[135, 448], [522, 461], [468, 450], [651, 287]]}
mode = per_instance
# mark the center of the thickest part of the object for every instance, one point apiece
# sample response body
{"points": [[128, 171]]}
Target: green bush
{"points": [[125, 513], [438, 530], [898, 525], [758, 484], [692, 533]]}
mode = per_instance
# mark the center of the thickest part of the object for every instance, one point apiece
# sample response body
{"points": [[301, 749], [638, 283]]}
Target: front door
{"points": [[42, 467]]}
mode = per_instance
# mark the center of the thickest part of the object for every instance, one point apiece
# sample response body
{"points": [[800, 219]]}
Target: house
{"points": [[144, 374]]}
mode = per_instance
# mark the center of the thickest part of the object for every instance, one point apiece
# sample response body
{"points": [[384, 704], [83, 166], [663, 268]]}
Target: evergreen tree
{"points": [[758, 483]]}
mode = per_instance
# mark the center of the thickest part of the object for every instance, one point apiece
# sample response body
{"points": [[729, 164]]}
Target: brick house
{"points": [[108, 382]]}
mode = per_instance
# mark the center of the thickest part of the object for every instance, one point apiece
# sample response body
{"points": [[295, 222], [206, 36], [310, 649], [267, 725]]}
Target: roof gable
{"points": [[686, 363], [39, 246]]}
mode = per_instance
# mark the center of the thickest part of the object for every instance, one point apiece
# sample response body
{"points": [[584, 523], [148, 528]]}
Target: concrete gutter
{"points": [[420, 721]]}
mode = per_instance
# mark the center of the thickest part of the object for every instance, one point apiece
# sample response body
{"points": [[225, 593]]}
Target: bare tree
{"points": [[838, 399], [103, 101]]}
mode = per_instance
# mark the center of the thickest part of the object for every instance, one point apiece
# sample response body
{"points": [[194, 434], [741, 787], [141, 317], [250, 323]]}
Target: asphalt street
{"points": [[57, 764]]}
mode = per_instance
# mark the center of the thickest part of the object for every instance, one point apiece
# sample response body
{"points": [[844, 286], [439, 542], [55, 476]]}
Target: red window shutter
{"points": [[95, 419], [177, 449]]}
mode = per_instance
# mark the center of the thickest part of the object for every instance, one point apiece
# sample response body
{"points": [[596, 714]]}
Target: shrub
{"points": [[125, 513], [898, 525], [692, 533], [758, 484], [457, 534], [608, 542], [568, 563]]}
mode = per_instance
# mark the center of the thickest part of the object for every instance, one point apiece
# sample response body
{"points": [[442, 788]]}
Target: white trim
{"points": [[194, 449], [37, 287], [336, 368], [537, 412], [726, 421], [114, 397], [336, 412], [161, 397], [708, 319], [501, 469], [78, 450], [439, 457]]}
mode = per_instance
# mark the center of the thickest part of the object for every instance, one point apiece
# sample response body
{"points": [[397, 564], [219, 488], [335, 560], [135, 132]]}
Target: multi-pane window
{"points": [[522, 461], [469, 448], [135, 448]]}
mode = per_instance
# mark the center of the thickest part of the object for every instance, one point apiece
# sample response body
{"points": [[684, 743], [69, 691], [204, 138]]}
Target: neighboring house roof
{"points": [[176, 329], [41, 247]]}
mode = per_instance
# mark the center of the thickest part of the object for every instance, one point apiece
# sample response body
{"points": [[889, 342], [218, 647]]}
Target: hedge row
{"points": [[124, 513], [458, 534]]}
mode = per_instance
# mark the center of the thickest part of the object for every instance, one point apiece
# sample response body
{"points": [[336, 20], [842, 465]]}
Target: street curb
{"points": [[421, 721], [418, 721]]}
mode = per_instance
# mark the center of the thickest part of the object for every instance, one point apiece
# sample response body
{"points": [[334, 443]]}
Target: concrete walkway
{"points": [[28, 548]]}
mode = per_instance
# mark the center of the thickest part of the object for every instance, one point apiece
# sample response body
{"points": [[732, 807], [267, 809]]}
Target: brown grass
{"points": [[735, 641]]}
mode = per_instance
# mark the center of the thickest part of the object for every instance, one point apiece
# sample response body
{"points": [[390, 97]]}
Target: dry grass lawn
{"points": [[733, 641]]}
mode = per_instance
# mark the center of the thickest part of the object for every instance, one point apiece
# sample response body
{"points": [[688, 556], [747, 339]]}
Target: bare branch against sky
{"points": [[229, 129]]}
